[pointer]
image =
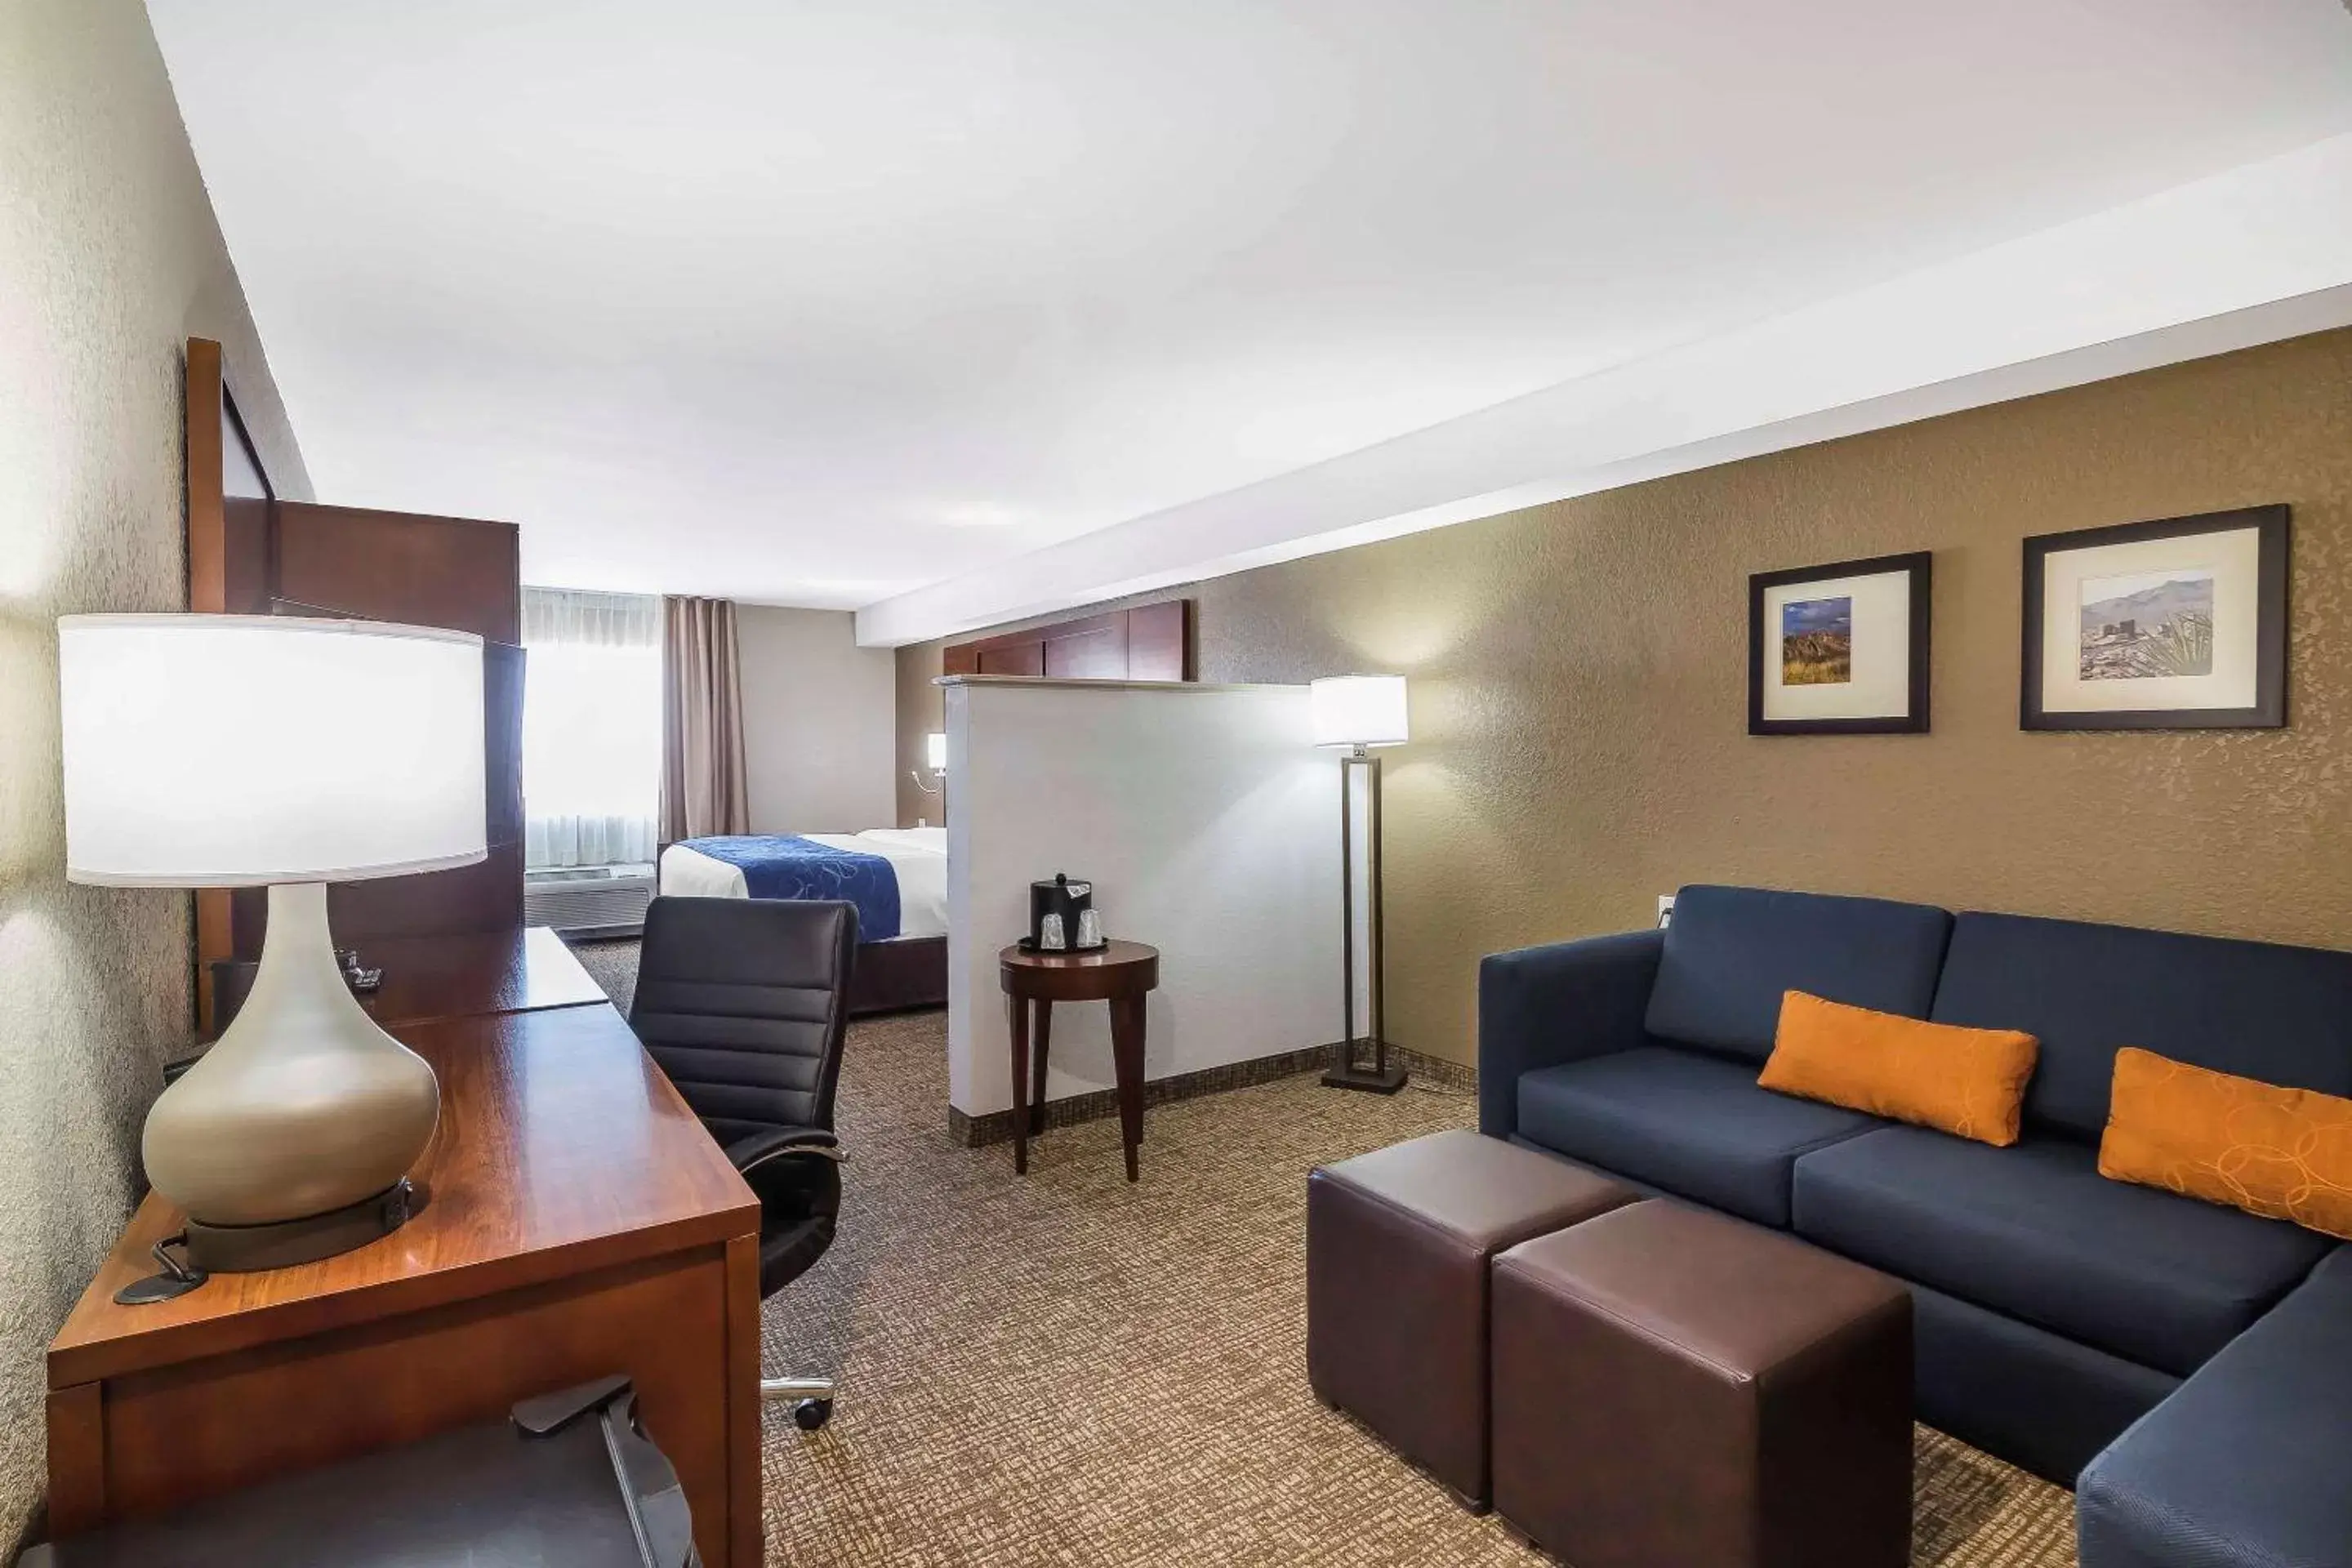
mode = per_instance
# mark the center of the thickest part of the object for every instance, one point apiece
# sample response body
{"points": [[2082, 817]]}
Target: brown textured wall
{"points": [[1578, 697], [109, 259]]}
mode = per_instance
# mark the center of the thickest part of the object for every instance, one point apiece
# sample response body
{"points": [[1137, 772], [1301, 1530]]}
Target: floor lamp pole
{"points": [[1380, 1078]]}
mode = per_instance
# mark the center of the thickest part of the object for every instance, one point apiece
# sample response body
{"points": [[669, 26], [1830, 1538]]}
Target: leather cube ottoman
{"points": [[1673, 1388], [1398, 1246]]}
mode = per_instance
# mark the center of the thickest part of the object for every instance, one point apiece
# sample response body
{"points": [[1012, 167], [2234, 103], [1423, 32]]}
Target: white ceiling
{"points": [[837, 303]]}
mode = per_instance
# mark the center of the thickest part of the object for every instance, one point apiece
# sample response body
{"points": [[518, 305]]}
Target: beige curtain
{"points": [[703, 790]]}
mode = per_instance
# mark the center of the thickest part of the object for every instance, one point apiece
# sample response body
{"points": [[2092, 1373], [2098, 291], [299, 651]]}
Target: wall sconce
{"points": [[935, 757]]}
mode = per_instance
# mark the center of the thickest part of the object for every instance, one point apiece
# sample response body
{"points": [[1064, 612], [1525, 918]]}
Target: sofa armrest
{"points": [[1541, 1006], [2249, 1463]]}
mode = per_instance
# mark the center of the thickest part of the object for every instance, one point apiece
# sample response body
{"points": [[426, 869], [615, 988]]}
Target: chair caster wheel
{"points": [[810, 1414]]}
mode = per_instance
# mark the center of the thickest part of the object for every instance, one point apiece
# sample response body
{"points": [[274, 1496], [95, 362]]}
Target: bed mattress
{"points": [[918, 855]]}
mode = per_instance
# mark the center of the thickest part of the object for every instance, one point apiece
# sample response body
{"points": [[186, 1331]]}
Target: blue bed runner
{"points": [[786, 867]]}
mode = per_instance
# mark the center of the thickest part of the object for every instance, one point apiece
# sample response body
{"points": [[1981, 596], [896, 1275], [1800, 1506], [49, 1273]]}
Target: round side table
{"points": [[1118, 972]]}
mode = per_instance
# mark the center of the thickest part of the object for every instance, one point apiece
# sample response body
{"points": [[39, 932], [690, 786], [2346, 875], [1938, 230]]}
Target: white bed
{"points": [[919, 855]]}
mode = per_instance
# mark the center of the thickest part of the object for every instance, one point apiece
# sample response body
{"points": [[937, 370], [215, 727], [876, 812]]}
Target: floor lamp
{"points": [[1360, 712]]}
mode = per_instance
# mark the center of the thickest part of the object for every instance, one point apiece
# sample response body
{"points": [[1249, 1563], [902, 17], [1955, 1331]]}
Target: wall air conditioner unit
{"points": [[589, 901]]}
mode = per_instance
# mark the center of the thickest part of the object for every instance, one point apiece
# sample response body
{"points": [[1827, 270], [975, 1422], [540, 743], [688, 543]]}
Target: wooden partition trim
{"points": [[1150, 642]]}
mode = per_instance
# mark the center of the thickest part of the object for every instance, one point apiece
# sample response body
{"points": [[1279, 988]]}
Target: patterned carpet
{"points": [[1067, 1370]]}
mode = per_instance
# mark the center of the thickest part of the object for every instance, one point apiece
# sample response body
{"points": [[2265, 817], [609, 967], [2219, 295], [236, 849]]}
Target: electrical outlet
{"points": [[1666, 909]]}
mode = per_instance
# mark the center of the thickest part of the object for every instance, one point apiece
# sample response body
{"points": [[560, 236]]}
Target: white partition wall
{"points": [[1209, 828]]}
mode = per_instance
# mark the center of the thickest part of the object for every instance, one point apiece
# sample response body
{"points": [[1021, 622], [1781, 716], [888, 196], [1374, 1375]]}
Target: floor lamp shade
{"points": [[257, 751], [1357, 710]]}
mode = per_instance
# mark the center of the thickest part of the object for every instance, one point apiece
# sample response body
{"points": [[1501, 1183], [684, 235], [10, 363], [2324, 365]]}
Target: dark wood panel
{"points": [[228, 547], [747, 1541], [403, 566], [1024, 658], [1092, 649], [485, 897], [561, 1147], [1160, 642], [250, 553], [201, 445], [430, 978], [76, 1433], [1150, 642]]}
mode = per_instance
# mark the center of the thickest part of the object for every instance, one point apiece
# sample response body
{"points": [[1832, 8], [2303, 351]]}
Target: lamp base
{"points": [[1370, 1080], [304, 1115], [250, 1248], [282, 1244]]}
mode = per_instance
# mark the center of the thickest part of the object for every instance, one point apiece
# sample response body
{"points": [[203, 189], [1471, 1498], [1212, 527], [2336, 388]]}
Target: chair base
{"points": [[811, 1397]]}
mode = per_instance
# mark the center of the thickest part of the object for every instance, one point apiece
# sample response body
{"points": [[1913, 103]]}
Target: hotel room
{"points": [[1254, 783]]}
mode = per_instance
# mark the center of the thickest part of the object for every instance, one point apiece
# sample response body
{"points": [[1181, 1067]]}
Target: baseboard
{"points": [[996, 1126]]}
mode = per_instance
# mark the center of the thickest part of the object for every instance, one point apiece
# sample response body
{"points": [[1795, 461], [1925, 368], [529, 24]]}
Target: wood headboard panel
{"points": [[1150, 642]]}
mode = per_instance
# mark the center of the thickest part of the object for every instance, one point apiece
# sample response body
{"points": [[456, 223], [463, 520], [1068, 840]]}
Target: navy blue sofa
{"points": [[2063, 1320]]}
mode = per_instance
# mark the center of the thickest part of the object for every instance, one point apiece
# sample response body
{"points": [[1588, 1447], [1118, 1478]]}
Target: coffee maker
{"points": [[1062, 917]]}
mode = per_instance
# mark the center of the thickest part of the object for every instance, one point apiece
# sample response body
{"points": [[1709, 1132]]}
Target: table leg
{"points": [[1039, 1048], [1127, 1055], [1017, 1008]]}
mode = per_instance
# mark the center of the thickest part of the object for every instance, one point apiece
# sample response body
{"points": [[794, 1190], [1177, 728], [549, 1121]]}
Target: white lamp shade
{"points": [[236, 750], [1359, 710], [935, 751]]}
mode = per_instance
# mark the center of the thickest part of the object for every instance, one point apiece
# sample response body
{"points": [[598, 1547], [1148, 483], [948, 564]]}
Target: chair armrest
{"points": [[1541, 1006], [747, 1155]]}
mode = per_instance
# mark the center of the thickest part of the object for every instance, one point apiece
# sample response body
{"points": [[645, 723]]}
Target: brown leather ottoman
{"points": [[1398, 1243], [1673, 1388]]}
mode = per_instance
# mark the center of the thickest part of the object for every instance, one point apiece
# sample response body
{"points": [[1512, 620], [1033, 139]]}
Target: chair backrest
{"points": [[744, 1002]]}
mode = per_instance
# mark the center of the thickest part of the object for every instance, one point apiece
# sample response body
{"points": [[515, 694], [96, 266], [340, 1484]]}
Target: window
{"points": [[592, 727]]}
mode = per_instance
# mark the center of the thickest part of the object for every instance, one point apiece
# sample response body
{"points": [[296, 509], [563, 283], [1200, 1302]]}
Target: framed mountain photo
{"points": [[1840, 649], [2174, 624]]}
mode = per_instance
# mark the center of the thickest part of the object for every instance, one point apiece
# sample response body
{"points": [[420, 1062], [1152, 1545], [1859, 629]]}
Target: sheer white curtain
{"points": [[591, 726]]}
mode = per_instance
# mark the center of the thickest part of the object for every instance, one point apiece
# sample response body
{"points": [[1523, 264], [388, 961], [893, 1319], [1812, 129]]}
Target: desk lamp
{"points": [[257, 751], [1360, 712]]}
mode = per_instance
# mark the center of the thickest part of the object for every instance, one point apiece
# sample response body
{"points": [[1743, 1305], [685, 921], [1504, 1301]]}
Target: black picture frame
{"points": [[2273, 530], [1920, 567]]}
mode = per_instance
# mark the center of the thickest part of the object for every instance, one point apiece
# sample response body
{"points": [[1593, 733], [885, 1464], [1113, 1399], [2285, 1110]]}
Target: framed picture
{"points": [[2177, 624], [1841, 649]]}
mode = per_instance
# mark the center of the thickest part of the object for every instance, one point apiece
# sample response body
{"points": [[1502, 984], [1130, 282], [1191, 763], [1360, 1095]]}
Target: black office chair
{"points": [[744, 1002]]}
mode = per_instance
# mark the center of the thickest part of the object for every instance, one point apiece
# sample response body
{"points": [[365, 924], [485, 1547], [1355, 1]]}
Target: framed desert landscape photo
{"points": [[2175, 625], [1840, 649]]}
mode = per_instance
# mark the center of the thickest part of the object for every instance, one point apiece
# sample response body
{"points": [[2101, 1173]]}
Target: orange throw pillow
{"points": [[2283, 1153], [1967, 1082]]}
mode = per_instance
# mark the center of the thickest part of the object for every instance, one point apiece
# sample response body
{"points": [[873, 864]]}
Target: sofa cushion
{"points": [[2282, 1014], [1731, 953], [1682, 1122], [2250, 1464], [2036, 1231]]}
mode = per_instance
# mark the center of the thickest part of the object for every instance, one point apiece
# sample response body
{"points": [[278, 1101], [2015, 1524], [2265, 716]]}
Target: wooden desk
{"points": [[426, 978], [579, 1222], [1118, 972]]}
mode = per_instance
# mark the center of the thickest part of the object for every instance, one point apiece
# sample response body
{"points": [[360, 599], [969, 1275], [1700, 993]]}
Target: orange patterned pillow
{"points": [[1967, 1083], [2283, 1153]]}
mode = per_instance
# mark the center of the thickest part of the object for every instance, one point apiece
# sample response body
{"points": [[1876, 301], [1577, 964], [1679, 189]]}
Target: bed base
{"points": [[896, 976]]}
